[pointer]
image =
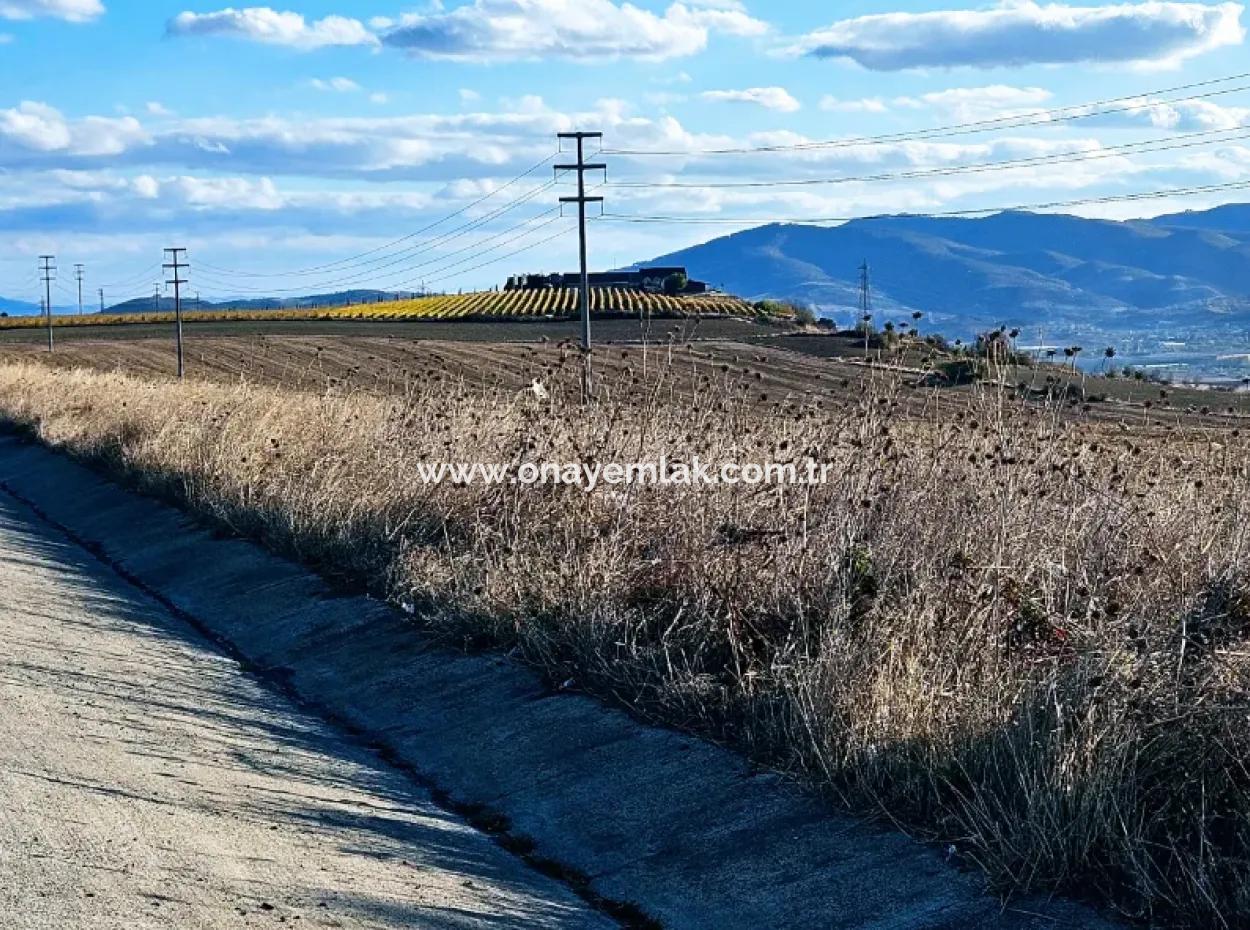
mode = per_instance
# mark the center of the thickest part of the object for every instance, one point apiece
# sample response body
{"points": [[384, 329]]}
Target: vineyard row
{"points": [[493, 304]]}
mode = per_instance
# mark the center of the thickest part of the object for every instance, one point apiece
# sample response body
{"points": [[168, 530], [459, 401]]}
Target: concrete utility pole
{"points": [[78, 273], [581, 167], [101, 300], [48, 270], [177, 265]]}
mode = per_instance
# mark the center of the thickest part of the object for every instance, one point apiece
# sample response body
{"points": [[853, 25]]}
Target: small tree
{"points": [[804, 315], [675, 283]]}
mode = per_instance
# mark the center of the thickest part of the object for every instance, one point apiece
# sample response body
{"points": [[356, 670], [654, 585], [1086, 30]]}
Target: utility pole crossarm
{"points": [[47, 268], [581, 166]]}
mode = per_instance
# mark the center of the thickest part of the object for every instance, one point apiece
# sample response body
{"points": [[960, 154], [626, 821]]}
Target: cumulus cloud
{"points": [[956, 103], [973, 103], [583, 30], [232, 193], [1023, 32], [1180, 116], [146, 187], [771, 98], [263, 24], [74, 11], [38, 128], [217, 171]]}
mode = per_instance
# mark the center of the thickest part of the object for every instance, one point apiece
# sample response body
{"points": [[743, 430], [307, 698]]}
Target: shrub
{"points": [[675, 283]]}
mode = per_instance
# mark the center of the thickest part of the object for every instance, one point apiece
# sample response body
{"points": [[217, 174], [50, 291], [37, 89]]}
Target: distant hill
{"points": [[150, 304], [18, 307], [1186, 273]]}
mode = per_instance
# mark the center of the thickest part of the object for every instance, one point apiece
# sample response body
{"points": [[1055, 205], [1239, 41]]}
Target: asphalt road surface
{"points": [[147, 781]]}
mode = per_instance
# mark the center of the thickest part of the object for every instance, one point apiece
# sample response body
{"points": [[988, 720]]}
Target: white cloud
{"points": [[580, 30], [1022, 32], [263, 24], [469, 96], [965, 104], [962, 104], [1180, 116], [74, 11], [218, 176], [156, 108], [39, 128], [340, 85], [146, 187], [378, 97], [1229, 163], [771, 98], [234, 193], [730, 19]]}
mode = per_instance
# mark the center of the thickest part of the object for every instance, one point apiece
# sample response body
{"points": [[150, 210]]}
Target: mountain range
{"points": [[18, 307], [1181, 277]]}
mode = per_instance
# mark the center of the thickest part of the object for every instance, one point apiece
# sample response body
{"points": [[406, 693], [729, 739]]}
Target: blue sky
{"points": [[274, 142]]}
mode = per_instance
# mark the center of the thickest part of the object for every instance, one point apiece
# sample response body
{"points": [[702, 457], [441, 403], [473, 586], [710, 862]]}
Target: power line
{"points": [[971, 211], [434, 273], [494, 261], [360, 277], [476, 247], [129, 282], [382, 248], [1145, 147], [1033, 118]]}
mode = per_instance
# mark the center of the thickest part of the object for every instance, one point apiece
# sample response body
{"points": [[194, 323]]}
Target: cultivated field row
{"points": [[479, 304]]}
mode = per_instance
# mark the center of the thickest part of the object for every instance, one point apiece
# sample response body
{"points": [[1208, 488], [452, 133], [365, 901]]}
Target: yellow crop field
{"points": [[478, 304]]}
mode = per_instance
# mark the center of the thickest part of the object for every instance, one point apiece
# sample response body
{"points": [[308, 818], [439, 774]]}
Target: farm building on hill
{"points": [[651, 280]]}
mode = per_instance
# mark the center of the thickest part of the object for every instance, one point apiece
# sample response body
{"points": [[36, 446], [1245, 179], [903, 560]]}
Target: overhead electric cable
{"points": [[1146, 147], [389, 245], [970, 211], [1032, 118]]}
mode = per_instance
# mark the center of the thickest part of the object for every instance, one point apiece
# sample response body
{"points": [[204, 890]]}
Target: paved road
{"points": [[146, 781]]}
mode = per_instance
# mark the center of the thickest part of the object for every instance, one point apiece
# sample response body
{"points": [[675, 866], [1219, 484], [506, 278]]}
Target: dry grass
{"points": [[1018, 632]]}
